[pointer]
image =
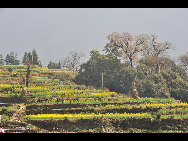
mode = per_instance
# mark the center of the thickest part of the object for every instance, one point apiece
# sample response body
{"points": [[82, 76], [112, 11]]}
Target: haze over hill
{"points": [[56, 32]]}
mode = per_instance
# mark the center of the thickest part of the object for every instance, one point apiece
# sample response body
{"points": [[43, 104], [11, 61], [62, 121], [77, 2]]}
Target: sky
{"points": [[55, 32]]}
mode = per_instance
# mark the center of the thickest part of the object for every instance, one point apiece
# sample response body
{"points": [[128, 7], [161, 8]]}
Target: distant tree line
{"points": [[10, 59], [70, 62], [53, 65], [28, 58]]}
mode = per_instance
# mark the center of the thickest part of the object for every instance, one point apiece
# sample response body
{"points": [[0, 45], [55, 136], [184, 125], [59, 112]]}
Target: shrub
{"points": [[180, 94], [63, 76], [124, 80], [153, 86], [177, 86]]}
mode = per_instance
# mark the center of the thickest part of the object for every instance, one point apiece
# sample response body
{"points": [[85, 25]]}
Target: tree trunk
{"points": [[131, 61]]}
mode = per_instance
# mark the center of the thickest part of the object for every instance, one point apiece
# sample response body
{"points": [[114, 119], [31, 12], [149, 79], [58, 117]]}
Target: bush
{"points": [[63, 76], [180, 94], [124, 80], [153, 86], [145, 88], [141, 71], [177, 86]]}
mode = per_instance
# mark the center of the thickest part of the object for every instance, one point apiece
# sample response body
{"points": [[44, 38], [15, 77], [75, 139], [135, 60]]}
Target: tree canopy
{"points": [[53, 65], [149, 76], [12, 59], [31, 58]]}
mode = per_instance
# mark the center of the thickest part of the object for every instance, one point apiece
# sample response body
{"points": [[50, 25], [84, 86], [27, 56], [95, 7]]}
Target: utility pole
{"points": [[102, 80]]}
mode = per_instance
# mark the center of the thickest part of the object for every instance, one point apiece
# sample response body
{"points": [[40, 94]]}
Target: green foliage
{"points": [[110, 49], [184, 61], [1, 59], [141, 71], [145, 88], [153, 86], [181, 94], [119, 77], [35, 58], [63, 76], [157, 64], [177, 86], [124, 80], [12, 59], [174, 81], [53, 65], [27, 58], [90, 73], [31, 58]]}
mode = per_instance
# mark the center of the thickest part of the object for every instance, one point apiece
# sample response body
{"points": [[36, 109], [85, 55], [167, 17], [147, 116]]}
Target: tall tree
{"points": [[129, 45], [90, 73], [1, 59], [31, 58], [156, 52], [35, 58], [25, 58], [156, 49], [12, 59]]}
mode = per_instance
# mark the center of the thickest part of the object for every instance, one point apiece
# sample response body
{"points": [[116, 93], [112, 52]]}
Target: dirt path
{"points": [[18, 113], [17, 117]]}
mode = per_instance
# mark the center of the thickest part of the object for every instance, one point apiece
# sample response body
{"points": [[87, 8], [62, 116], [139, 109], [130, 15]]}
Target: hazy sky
{"points": [[56, 32]]}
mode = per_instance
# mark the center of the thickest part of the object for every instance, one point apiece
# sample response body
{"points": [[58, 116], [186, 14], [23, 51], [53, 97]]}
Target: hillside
{"points": [[91, 110]]}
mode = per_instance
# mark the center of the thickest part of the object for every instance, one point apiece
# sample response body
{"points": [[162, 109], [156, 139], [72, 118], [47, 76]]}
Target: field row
{"points": [[99, 115]]}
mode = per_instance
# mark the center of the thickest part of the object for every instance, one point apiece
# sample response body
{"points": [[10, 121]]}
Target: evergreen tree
{"points": [[50, 65], [1, 60], [53, 65], [31, 58], [58, 65], [25, 59], [12, 59], [35, 57]]}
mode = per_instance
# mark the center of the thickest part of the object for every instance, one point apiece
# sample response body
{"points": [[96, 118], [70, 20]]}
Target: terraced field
{"points": [[53, 104]]}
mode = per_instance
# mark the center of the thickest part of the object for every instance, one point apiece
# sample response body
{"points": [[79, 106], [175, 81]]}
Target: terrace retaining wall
{"points": [[115, 124]]}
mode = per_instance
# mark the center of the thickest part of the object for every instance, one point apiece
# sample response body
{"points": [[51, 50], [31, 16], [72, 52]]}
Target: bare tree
{"points": [[73, 61], [156, 52], [156, 49], [129, 45]]}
